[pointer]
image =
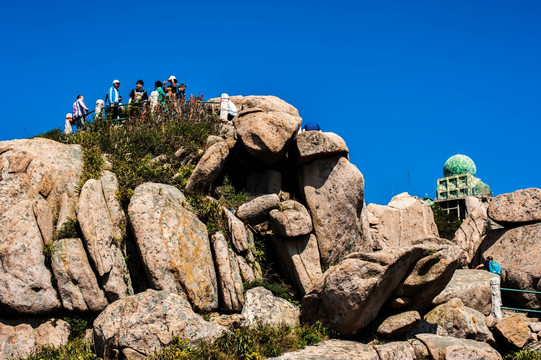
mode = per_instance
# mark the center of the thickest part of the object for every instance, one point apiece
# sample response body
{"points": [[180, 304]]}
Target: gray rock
{"points": [[518, 251], [44, 219], [173, 244], [24, 279], [99, 235], [144, 323], [299, 260], [266, 126], [312, 145], [332, 350], [246, 270], [348, 296], [470, 286], [291, 219], [334, 190], [398, 350], [514, 331], [38, 168], [261, 307], [450, 348], [208, 168], [109, 184], [229, 278], [239, 236], [429, 277], [403, 221], [257, 211], [396, 326], [76, 282], [521, 206], [455, 319], [471, 233], [19, 339]]}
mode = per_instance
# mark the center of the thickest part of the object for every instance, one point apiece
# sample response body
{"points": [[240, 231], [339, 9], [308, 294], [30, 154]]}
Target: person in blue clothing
{"points": [[490, 265], [311, 126], [112, 98]]}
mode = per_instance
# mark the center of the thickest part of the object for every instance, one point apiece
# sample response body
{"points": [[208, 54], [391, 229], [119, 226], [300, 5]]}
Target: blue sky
{"points": [[407, 84]]}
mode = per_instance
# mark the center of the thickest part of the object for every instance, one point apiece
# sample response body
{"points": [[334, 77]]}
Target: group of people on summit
{"points": [[169, 89]]}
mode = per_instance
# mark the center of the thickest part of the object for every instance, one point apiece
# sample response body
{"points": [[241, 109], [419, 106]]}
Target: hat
{"points": [[225, 96], [116, 82], [69, 116], [171, 78], [99, 101]]}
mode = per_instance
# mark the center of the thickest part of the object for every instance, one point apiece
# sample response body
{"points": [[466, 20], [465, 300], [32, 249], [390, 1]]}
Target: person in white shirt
{"points": [[227, 107]]}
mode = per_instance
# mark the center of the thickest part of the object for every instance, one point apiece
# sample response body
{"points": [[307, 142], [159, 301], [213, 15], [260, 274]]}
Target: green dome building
{"points": [[459, 164], [460, 180]]}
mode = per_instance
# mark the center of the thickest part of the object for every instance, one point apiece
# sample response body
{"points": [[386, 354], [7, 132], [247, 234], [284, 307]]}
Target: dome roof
{"points": [[459, 164], [482, 189]]}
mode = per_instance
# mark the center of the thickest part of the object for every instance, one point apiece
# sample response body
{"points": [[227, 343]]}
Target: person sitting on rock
{"points": [[490, 265]]}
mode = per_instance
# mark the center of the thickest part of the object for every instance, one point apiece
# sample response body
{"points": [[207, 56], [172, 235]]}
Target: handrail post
{"points": [[496, 297], [223, 109]]}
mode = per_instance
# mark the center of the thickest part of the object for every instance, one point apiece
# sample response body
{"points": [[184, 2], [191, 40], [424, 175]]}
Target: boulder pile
{"points": [[68, 247]]}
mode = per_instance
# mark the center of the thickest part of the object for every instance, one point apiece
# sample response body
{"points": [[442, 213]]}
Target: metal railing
{"points": [[521, 291]]}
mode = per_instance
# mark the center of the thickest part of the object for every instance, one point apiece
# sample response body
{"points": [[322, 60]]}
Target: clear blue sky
{"points": [[407, 84]]}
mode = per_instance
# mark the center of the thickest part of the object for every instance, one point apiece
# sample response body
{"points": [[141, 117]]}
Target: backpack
{"points": [[494, 268]]}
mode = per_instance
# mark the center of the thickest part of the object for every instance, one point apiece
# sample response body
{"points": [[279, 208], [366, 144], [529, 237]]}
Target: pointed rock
{"points": [[230, 280]]}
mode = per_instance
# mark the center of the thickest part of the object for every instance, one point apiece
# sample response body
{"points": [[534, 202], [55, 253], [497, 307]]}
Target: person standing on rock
{"points": [[228, 110], [79, 111], [112, 98]]}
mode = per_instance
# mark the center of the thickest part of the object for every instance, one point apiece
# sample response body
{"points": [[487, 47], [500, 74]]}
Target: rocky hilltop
{"points": [[147, 266]]}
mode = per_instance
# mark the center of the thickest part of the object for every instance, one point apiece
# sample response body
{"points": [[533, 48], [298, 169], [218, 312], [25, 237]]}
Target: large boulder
{"points": [[513, 331], [334, 190], [471, 233], [470, 286], [348, 296], [450, 348], [332, 350], [229, 278], [257, 210], [455, 319], [292, 219], [76, 281], [20, 339], [518, 251], [141, 324], [38, 168], [99, 231], [404, 220], [208, 168], [398, 325], [173, 244], [427, 279], [312, 145], [25, 280], [299, 260], [262, 307], [521, 206], [266, 126]]}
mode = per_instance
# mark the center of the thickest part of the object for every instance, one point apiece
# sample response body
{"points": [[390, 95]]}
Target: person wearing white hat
{"points": [[112, 98], [67, 125], [172, 89], [228, 110]]}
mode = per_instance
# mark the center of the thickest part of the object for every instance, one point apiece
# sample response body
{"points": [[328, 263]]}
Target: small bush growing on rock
{"points": [[447, 224], [527, 354], [247, 343], [76, 349], [278, 289], [70, 229]]}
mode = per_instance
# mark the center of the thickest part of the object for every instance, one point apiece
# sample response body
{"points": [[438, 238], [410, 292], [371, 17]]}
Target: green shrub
{"points": [[70, 229], [75, 349], [54, 134], [258, 342], [524, 355], [280, 290]]}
